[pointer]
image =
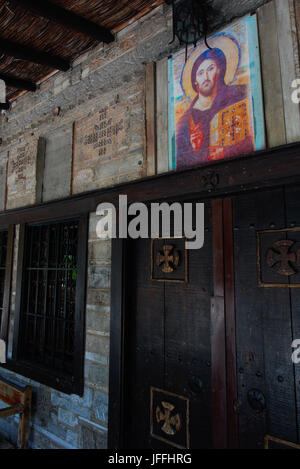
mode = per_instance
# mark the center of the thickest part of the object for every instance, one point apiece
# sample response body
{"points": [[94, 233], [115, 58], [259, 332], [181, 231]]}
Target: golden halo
{"points": [[232, 54]]}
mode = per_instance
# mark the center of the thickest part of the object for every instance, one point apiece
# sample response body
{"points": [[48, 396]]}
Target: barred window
{"points": [[50, 337], [3, 251]]}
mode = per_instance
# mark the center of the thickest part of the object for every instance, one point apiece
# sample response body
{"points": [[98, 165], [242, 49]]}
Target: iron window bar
{"points": [[48, 300]]}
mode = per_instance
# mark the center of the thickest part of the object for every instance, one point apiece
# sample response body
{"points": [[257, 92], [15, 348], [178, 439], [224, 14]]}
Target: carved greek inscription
{"points": [[19, 165], [101, 136]]}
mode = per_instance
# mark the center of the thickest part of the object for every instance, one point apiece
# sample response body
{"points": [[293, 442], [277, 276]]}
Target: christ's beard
{"points": [[206, 90]]}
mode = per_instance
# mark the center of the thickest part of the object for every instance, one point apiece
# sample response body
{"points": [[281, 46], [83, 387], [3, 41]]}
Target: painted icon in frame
{"points": [[215, 98]]}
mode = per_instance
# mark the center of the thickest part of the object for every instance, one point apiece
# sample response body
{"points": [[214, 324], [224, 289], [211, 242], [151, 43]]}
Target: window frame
{"points": [[43, 375], [4, 323]]}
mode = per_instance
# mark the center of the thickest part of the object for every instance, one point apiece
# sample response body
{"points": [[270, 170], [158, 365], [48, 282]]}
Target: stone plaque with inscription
{"points": [[99, 138], [58, 164], [21, 177]]}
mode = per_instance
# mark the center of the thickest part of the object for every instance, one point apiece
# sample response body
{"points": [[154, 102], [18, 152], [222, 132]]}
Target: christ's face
{"points": [[207, 77]]}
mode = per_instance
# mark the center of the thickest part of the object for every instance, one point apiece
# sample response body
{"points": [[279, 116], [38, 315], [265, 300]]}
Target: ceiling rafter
{"points": [[18, 83], [4, 106], [30, 54], [66, 18], [39, 35]]}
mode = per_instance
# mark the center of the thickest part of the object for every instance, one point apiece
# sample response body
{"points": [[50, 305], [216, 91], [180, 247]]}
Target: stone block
{"points": [[56, 430], [67, 418], [97, 343], [100, 407], [96, 358], [72, 405], [98, 298], [99, 252], [92, 436], [98, 277], [85, 400], [72, 437], [43, 439], [98, 318], [99, 374]]}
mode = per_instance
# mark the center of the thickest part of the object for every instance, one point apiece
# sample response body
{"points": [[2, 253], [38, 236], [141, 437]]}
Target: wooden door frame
{"points": [[116, 409], [4, 325], [223, 339], [223, 178], [224, 388], [218, 181]]}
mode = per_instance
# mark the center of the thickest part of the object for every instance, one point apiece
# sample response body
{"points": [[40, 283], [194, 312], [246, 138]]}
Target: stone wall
{"points": [[59, 420], [100, 103], [93, 121]]}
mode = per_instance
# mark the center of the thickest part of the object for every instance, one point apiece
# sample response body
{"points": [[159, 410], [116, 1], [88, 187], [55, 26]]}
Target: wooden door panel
{"points": [[188, 339], [263, 324], [144, 346], [292, 196], [168, 347]]}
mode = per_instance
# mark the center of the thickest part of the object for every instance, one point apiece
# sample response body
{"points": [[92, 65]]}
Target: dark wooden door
{"points": [[267, 286], [168, 344]]}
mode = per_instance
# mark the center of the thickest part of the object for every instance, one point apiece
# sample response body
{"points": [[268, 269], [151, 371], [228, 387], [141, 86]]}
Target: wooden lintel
{"points": [[67, 18], [264, 169], [30, 54]]}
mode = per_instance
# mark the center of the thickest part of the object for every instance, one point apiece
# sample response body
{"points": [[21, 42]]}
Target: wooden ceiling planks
{"points": [[24, 27]]}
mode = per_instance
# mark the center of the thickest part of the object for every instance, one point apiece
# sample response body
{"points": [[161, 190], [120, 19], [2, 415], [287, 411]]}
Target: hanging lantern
{"points": [[190, 20]]}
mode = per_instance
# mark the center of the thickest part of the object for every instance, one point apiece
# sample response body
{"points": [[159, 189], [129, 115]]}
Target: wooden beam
{"points": [[24, 422], [265, 169], [162, 139], [8, 411], [10, 393], [66, 18], [288, 71], [18, 83], [19, 399], [271, 74], [30, 54], [151, 118], [4, 106]]}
